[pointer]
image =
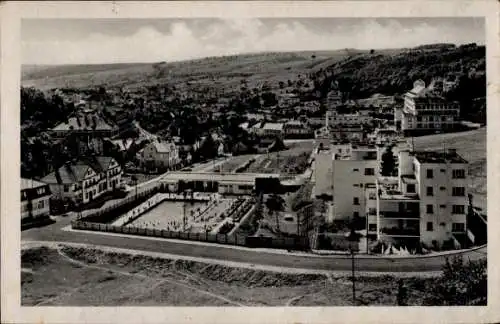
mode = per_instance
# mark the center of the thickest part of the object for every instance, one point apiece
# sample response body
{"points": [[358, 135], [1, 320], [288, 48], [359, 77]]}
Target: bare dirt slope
{"points": [[72, 276]]}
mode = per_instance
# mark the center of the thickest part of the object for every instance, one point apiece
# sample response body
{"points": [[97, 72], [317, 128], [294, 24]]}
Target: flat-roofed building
{"points": [[427, 201], [426, 110]]}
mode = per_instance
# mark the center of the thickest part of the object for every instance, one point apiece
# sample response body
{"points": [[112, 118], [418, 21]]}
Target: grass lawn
{"points": [[85, 277]]}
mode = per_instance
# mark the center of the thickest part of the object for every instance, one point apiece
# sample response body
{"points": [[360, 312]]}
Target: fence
{"points": [[112, 213], [289, 243]]}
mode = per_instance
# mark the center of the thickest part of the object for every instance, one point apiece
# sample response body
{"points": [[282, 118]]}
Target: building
{"points": [[297, 129], [426, 110], [160, 155], [85, 180], [355, 166], [273, 130], [89, 129], [354, 132], [333, 99], [35, 199], [384, 135], [334, 119], [223, 183], [427, 202], [287, 100]]}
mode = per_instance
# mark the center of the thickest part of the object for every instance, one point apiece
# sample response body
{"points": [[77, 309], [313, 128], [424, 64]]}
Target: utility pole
{"points": [[353, 279]]}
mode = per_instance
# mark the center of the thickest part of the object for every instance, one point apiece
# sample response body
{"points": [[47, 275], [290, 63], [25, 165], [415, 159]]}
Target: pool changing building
{"points": [[426, 202], [223, 183]]}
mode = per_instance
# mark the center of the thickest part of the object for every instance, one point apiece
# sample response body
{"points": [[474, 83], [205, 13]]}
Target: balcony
{"points": [[398, 231], [401, 214]]}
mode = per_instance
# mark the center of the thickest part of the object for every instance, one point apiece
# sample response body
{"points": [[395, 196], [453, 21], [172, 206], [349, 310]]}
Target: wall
{"points": [[344, 189], [36, 212]]}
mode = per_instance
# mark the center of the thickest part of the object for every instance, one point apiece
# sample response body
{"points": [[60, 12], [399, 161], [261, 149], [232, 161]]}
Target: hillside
{"points": [[228, 69]]}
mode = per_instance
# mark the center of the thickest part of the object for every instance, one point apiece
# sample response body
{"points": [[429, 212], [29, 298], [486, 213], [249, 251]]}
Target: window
{"points": [[66, 188], [40, 204], [372, 227], [458, 191], [369, 171], [458, 209], [410, 188], [430, 191], [430, 226], [442, 170], [458, 174], [458, 227], [442, 206], [355, 185], [429, 209], [355, 214], [442, 188], [355, 170], [355, 201], [430, 174]]}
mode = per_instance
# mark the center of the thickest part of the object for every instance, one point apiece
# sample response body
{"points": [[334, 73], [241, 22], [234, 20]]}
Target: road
{"points": [[55, 233]]}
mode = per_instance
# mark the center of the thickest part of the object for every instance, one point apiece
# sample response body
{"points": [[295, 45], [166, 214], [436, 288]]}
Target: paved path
{"points": [[55, 233]]}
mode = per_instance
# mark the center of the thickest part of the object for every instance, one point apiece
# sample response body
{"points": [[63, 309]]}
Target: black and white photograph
{"points": [[253, 162]]}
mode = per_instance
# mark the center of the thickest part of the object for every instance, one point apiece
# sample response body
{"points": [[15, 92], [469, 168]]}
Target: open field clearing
{"points": [[71, 276], [470, 145]]}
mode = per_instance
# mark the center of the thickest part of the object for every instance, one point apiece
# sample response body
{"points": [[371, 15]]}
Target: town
{"points": [[316, 164]]}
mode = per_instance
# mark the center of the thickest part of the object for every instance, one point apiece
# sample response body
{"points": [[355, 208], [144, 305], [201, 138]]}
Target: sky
{"points": [[98, 41]]}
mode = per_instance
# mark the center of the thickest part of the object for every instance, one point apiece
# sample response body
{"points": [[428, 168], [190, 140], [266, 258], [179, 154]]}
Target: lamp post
{"points": [[353, 239]]}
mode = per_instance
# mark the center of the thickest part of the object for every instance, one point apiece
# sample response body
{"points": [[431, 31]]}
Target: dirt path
{"points": [[126, 273]]}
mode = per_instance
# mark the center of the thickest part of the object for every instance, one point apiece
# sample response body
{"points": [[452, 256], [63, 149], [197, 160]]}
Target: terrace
{"points": [[388, 189]]}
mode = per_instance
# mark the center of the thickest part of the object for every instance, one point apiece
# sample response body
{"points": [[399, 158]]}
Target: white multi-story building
{"points": [[425, 110], [426, 202], [354, 167], [273, 130], [297, 129]]}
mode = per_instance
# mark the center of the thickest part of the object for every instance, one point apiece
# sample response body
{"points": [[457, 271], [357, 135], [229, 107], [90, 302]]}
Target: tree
{"points": [[388, 167], [460, 284], [274, 204]]}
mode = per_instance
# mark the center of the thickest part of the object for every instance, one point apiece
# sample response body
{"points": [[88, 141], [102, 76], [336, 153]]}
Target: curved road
{"points": [[55, 233]]}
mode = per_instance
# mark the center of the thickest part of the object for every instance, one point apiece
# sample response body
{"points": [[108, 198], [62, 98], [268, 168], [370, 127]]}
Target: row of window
{"points": [[456, 174], [455, 227], [39, 205], [455, 209], [368, 171], [455, 192]]}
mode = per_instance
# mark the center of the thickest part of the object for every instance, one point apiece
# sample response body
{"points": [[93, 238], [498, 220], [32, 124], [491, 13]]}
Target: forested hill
{"points": [[365, 74]]}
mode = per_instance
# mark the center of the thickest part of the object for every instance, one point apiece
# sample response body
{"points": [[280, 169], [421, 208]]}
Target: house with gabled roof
{"points": [[84, 180], [160, 155]]}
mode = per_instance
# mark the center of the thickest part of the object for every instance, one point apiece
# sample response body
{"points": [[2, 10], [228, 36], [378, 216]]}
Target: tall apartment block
{"points": [[426, 202]]}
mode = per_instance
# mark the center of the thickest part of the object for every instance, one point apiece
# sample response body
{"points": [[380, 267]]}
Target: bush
{"points": [[460, 284]]}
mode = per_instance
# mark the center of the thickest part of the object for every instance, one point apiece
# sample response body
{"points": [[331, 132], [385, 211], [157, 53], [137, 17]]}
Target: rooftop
{"points": [[273, 126], [451, 156], [213, 176], [30, 183], [84, 122]]}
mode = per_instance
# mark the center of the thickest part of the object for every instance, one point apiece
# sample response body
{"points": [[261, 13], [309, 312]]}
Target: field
{"points": [[233, 163], [168, 215], [73, 276], [225, 72], [470, 145], [292, 161]]}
